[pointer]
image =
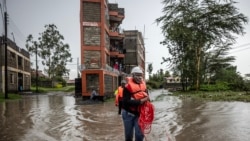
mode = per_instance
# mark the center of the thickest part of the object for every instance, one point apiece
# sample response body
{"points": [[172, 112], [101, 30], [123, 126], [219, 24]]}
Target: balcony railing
{"points": [[107, 68]]}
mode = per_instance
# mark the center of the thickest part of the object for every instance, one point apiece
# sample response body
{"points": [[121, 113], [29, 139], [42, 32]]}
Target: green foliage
{"points": [[40, 89], [247, 86], [60, 80], [40, 79], [150, 68], [239, 86], [157, 77], [50, 48], [229, 75], [192, 28], [167, 74], [220, 86], [149, 87], [10, 97], [153, 84], [46, 90], [69, 89], [215, 96], [47, 82], [58, 85]]}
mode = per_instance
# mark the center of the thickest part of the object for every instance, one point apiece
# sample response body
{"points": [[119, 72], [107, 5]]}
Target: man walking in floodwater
{"points": [[135, 96], [119, 95]]}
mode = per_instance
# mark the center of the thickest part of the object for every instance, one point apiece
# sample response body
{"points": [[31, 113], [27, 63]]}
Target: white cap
{"points": [[136, 70], [123, 81]]}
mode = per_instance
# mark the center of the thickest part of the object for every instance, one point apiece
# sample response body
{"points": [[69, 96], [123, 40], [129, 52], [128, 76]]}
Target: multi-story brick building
{"points": [[102, 47], [135, 50], [18, 61]]}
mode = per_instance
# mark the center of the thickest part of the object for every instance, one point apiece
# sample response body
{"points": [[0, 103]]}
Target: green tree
{"points": [[215, 60], [160, 74], [230, 76], [247, 75], [55, 54], [167, 74], [192, 27], [150, 69]]}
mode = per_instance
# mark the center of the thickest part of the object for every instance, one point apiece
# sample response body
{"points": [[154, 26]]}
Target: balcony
{"points": [[106, 67], [115, 35], [117, 53], [114, 16], [115, 13]]}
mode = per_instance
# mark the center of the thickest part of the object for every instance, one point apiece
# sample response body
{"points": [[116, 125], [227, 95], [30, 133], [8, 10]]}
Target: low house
{"points": [[173, 79], [172, 83], [18, 67]]}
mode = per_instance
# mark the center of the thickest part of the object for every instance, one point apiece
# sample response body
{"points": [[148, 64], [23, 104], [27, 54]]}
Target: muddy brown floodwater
{"points": [[58, 117]]}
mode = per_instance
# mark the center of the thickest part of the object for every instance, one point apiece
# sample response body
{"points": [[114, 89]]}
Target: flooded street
{"points": [[57, 117]]}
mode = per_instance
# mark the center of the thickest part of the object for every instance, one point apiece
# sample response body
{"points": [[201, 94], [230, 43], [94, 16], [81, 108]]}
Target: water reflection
{"points": [[222, 121], [56, 117]]}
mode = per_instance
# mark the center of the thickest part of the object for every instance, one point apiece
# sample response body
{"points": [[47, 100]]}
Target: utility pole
{"points": [[77, 70], [6, 55], [36, 70]]}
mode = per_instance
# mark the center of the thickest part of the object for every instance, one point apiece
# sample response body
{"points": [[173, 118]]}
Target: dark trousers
{"points": [[131, 127], [119, 107], [94, 98]]}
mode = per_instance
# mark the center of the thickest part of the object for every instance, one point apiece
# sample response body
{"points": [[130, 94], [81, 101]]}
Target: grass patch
{"points": [[10, 97], [46, 90], [215, 96]]}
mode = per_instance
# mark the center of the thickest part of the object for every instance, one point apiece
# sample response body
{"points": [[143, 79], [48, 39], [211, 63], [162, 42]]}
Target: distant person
{"points": [[21, 88], [116, 66], [120, 67], [94, 95], [118, 97], [137, 112]]}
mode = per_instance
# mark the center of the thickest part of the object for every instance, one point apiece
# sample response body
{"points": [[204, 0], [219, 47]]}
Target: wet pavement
{"points": [[59, 117]]}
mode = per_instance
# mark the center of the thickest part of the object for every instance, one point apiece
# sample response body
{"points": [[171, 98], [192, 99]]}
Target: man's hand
{"points": [[144, 99]]}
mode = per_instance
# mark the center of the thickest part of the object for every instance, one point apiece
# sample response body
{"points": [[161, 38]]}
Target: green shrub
{"points": [[10, 97], [219, 86], [222, 86], [154, 84], [58, 85], [149, 87]]}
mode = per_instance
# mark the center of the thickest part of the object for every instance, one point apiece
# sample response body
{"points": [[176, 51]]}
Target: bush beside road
{"points": [[12, 96], [215, 96], [46, 90]]}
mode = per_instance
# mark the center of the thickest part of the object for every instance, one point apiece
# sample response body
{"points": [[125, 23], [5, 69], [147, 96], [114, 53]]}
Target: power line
{"points": [[14, 28], [240, 50], [240, 46]]}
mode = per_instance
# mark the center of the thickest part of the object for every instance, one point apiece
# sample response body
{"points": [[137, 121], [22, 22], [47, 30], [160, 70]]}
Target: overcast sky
{"points": [[29, 17]]}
